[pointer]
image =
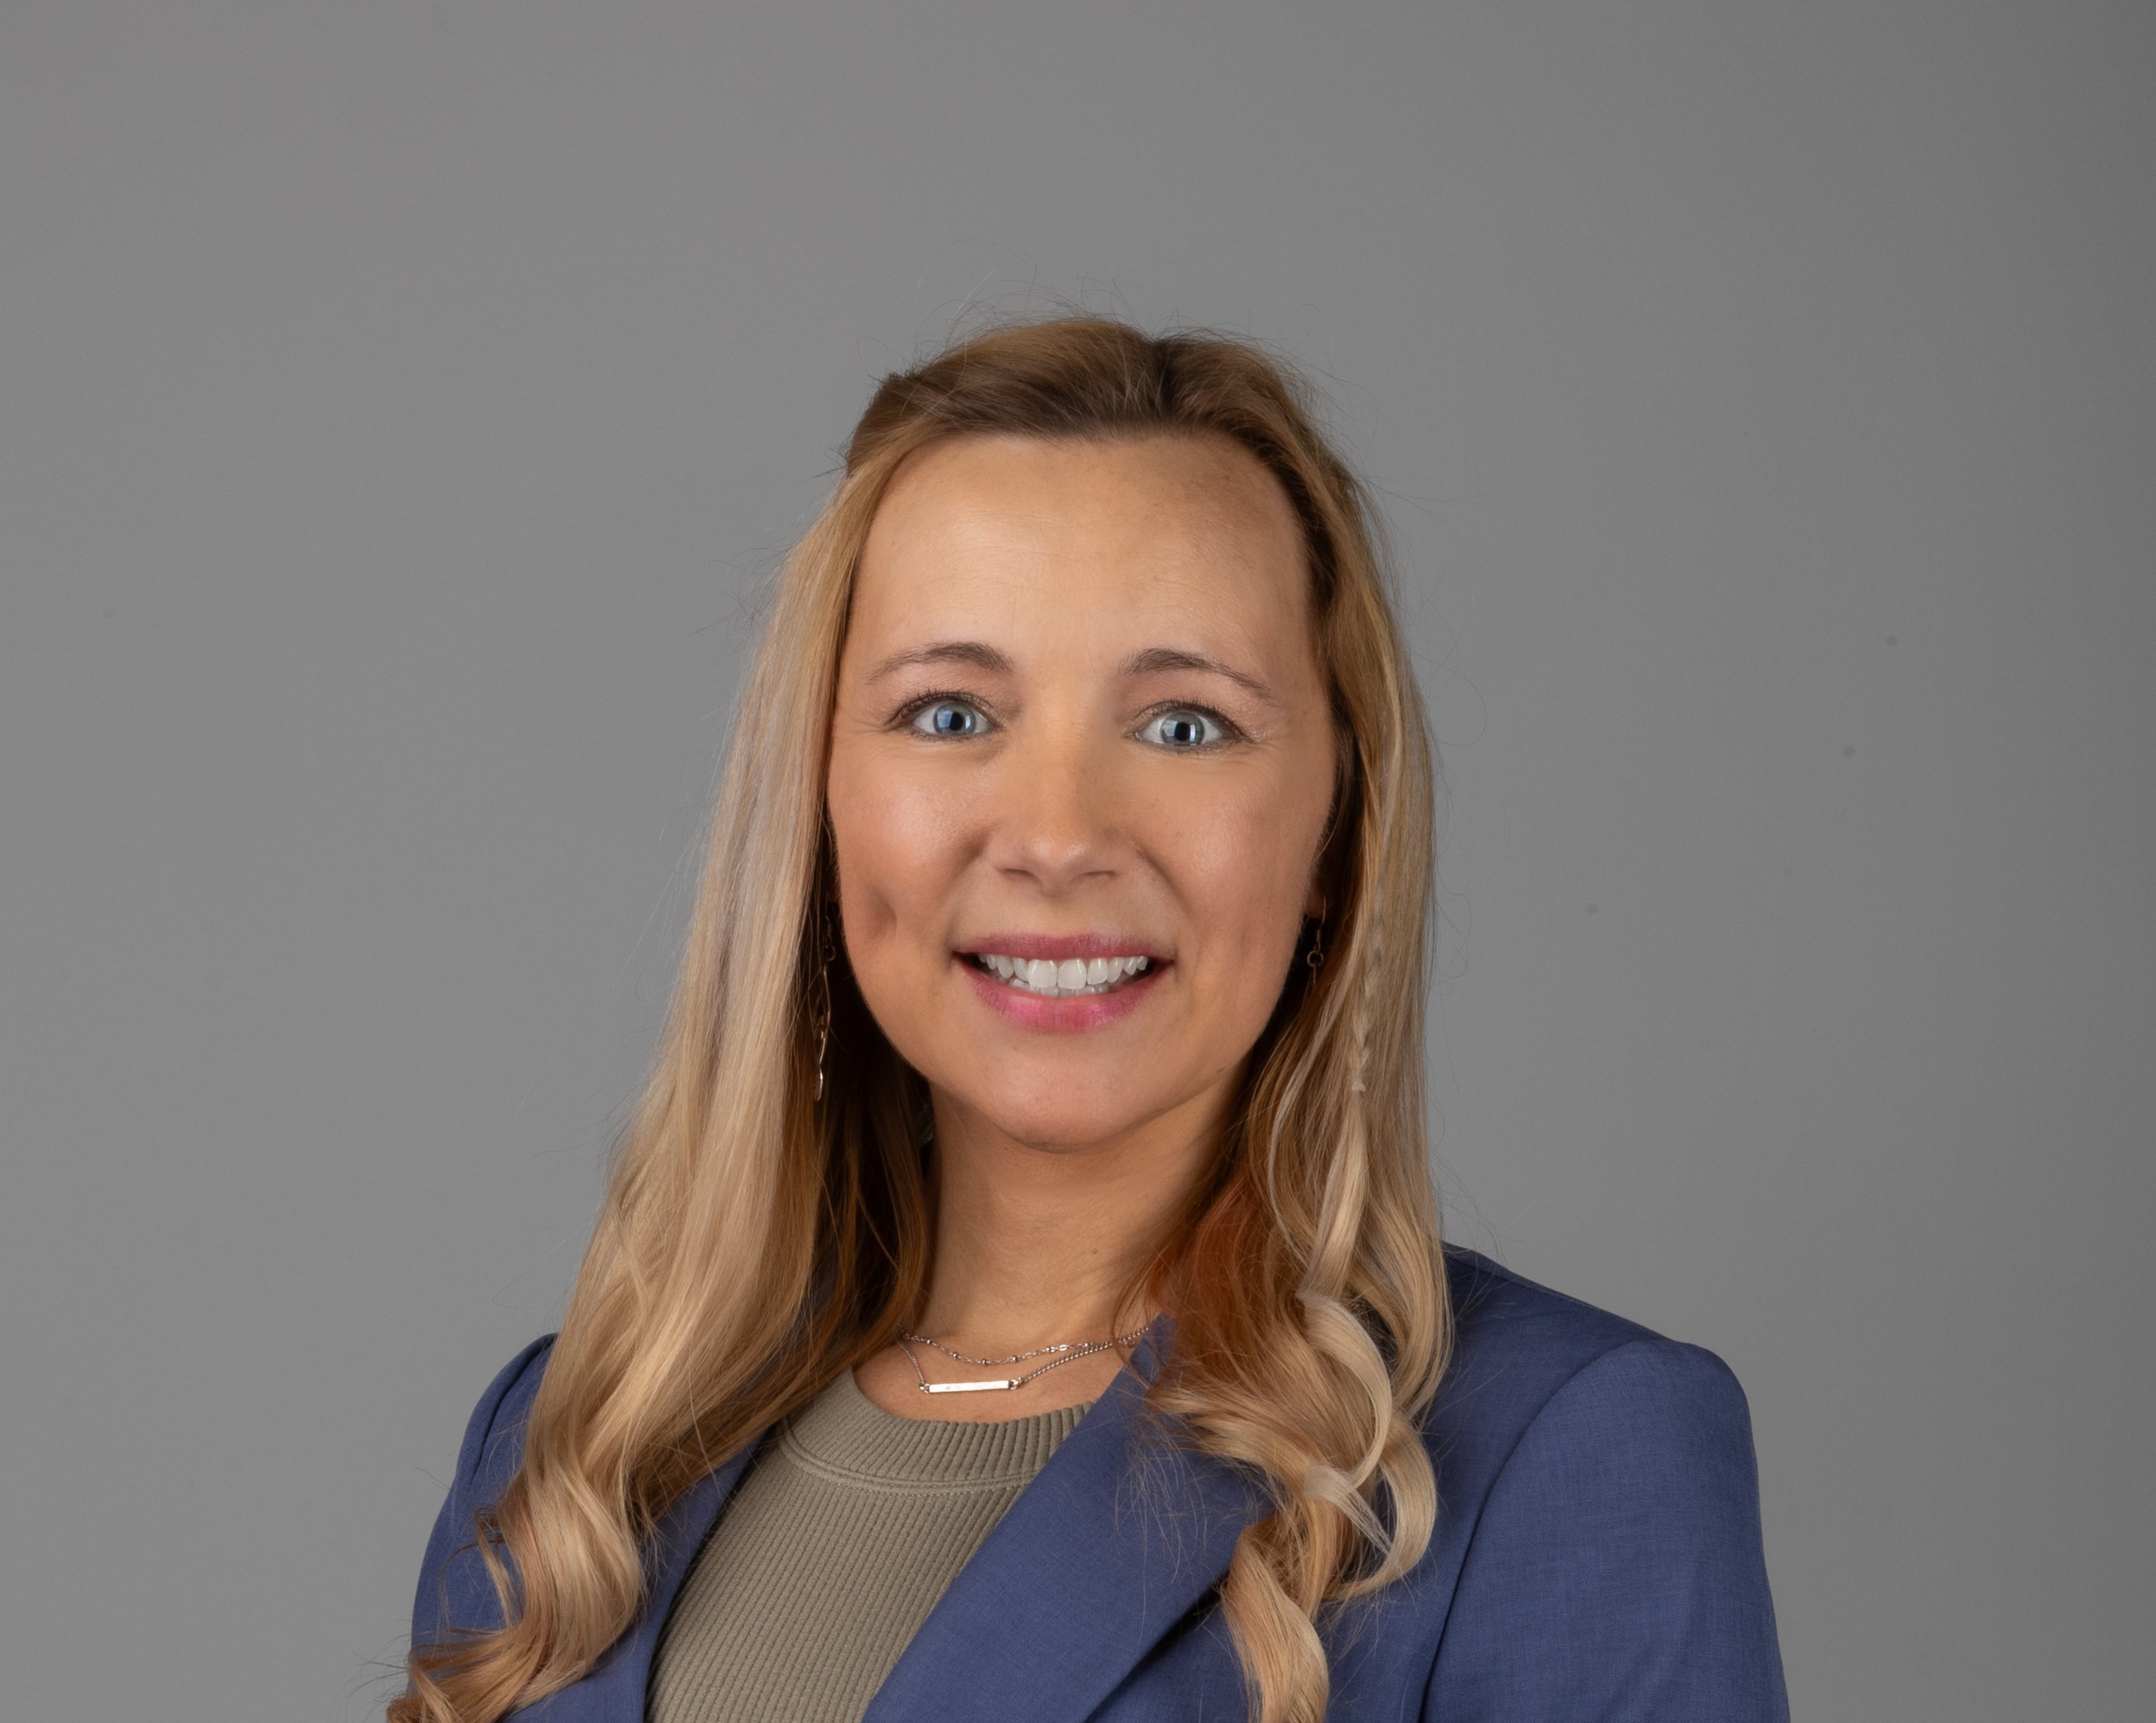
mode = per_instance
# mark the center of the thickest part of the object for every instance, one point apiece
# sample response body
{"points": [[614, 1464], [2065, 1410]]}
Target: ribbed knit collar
{"points": [[844, 1435]]}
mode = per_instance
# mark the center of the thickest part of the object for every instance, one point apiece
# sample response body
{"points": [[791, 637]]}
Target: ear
{"points": [[1313, 909]]}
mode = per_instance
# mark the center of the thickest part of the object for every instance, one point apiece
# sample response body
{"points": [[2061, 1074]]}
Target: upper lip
{"points": [[1055, 947]]}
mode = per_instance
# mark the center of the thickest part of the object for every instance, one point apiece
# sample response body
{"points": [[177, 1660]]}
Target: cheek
{"points": [[1244, 870], [899, 851]]}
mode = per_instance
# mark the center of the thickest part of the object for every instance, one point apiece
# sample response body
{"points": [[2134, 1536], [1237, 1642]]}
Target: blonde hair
{"points": [[754, 1242]]}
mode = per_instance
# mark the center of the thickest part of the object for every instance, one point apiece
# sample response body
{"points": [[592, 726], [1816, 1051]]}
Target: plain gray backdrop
{"points": [[401, 404]]}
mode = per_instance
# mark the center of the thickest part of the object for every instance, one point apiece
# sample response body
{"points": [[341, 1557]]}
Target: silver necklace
{"points": [[1069, 1352]]}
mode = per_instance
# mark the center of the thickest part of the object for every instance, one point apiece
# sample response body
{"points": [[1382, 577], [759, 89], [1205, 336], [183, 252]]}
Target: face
{"points": [[1080, 764]]}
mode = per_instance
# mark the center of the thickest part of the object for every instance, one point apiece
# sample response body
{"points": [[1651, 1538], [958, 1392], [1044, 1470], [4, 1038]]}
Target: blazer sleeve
{"points": [[454, 1591], [1616, 1572]]}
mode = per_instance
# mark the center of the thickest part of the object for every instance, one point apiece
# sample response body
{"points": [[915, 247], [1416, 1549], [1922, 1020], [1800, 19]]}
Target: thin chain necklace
{"points": [[1069, 1352]]}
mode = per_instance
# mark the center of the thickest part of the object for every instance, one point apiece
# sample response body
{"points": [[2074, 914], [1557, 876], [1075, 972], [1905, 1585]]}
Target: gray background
{"points": [[399, 403]]}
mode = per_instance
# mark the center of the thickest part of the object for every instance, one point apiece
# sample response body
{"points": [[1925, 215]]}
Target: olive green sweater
{"points": [[834, 1549]]}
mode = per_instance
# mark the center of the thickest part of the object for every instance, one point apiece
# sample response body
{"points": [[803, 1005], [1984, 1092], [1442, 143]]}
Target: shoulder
{"points": [[494, 1435], [1554, 1414], [1522, 1354], [455, 1590], [1600, 1517]]}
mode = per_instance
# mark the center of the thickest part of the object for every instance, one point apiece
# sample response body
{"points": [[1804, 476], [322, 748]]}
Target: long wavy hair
{"points": [[755, 1241]]}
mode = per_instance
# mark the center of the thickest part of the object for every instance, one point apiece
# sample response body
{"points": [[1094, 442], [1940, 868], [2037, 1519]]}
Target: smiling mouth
{"points": [[1072, 978]]}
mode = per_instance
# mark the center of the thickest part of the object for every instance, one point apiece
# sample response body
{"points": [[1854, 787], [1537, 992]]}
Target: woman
{"points": [[1019, 1291]]}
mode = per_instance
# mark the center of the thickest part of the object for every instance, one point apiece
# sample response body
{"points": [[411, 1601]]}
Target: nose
{"points": [[1058, 825]]}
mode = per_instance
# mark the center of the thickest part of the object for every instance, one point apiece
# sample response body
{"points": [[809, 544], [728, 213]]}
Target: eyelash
{"points": [[905, 715], [1229, 731]]}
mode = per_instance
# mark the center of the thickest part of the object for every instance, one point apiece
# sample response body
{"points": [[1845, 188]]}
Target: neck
{"points": [[1037, 1245]]}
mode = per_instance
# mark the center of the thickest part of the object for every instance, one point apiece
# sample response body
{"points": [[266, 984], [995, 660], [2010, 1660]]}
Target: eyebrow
{"points": [[1152, 661], [1156, 658], [945, 652]]}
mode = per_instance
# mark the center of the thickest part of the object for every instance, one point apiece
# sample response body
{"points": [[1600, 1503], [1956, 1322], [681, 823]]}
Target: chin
{"points": [[1043, 1112], [1062, 1129]]}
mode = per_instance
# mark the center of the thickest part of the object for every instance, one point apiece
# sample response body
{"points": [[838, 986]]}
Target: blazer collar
{"points": [[1117, 1539]]}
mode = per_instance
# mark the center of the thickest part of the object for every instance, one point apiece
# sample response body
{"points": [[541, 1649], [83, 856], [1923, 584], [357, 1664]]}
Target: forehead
{"points": [[1108, 538]]}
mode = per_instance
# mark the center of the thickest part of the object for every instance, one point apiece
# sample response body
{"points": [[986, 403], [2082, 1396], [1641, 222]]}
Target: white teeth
{"points": [[1060, 981]]}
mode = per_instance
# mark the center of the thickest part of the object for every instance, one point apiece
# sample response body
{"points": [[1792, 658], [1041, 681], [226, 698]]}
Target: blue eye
{"points": [[949, 717], [1182, 728]]}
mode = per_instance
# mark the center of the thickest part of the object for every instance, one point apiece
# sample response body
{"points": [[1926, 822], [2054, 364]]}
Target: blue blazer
{"points": [[1597, 1555]]}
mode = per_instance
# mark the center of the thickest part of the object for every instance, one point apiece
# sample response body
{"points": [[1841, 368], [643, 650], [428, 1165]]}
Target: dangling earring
{"points": [[823, 993], [1315, 956]]}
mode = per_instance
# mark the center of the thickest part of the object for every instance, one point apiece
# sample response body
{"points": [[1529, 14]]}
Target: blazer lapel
{"points": [[614, 1692], [1116, 1541]]}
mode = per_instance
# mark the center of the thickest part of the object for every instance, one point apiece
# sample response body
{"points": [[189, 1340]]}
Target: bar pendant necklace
{"points": [[1069, 1352]]}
